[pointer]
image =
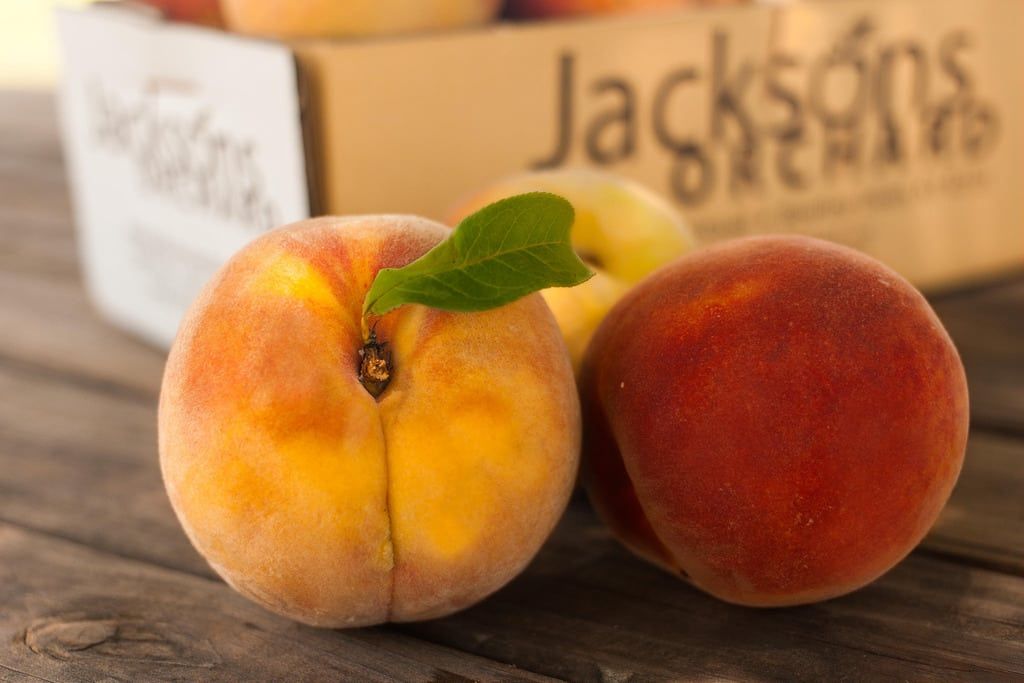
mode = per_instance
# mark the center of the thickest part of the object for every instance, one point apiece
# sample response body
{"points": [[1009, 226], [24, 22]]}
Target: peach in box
{"points": [[537, 9], [779, 419], [206, 12], [336, 19], [334, 507]]}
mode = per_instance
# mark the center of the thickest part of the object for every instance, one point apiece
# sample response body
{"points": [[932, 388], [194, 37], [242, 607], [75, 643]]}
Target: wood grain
{"points": [[81, 464], [76, 614], [34, 202], [50, 325], [987, 325], [983, 523], [927, 619]]}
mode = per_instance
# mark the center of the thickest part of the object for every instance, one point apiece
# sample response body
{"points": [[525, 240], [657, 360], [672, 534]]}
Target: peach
{"points": [[332, 506], [538, 9], [622, 230], [335, 19], [205, 12], [777, 419]]}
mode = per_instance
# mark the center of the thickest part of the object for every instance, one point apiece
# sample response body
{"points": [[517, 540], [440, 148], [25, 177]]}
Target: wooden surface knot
{"points": [[78, 636]]}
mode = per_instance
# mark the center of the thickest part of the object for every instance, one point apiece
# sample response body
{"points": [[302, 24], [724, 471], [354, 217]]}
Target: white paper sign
{"points": [[182, 144]]}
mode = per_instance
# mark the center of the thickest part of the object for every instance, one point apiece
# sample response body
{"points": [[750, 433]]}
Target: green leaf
{"points": [[503, 252]]}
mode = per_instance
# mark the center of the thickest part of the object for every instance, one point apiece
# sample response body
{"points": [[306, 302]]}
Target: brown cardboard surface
{"points": [[894, 126]]}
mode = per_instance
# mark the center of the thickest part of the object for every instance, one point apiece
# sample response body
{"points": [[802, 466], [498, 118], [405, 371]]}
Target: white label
{"points": [[182, 145]]}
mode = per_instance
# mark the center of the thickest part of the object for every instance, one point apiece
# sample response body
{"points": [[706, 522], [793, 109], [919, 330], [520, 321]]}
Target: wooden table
{"points": [[98, 582]]}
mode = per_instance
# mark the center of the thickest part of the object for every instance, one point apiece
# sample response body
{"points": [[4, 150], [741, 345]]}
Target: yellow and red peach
{"points": [[622, 230], [778, 419], [334, 19], [332, 506]]}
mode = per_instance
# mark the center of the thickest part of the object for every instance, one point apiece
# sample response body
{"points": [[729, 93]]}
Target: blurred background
{"points": [[28, 58]]}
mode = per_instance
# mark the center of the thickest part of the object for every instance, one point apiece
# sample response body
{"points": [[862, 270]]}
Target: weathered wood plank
{"points": [[82, 464], [28, 123], [35, 216], [988, 328], [75, 614], [613, 616], [35, 242], [50, 324], [984, 519]]}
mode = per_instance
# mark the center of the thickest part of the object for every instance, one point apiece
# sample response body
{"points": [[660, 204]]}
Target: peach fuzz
{"points": [[777, 419], [334, 508], [335, 19]]}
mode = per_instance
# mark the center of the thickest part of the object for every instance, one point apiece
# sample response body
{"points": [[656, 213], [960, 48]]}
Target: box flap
{"points": [[182, 145]]}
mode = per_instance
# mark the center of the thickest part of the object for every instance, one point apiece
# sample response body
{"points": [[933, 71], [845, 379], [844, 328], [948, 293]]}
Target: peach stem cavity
{"points": [[375, 365]]}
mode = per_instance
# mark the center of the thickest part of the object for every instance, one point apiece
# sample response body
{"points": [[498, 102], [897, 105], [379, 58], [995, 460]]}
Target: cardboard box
{"points": [[894, 126]]}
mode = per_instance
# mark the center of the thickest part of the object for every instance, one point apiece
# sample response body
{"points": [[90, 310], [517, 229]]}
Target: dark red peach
{"points": [[779, 419]]}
